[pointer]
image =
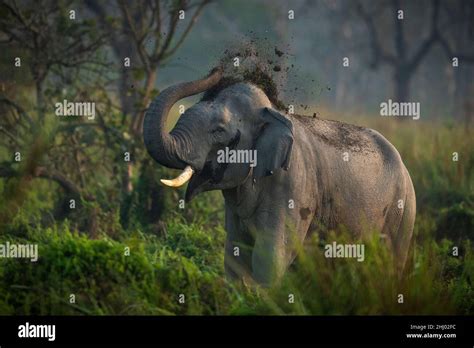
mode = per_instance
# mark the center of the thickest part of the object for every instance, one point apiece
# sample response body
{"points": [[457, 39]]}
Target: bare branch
{"points": [[137, 37], [426, 45], [15, 11], [378, 53], [7, 171], [171, 29], [187, 30], [10, 135], [400, 43], [157, 28], [451, 54], [18, 108]]}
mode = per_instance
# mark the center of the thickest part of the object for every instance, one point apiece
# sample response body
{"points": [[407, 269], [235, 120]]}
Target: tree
{"points": [[65, 54], [149, 32], [457, 40], [50, 46], [403, 63], [404, 59]]}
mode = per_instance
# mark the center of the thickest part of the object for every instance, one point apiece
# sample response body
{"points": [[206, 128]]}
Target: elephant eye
{"points": [[218, 130]]}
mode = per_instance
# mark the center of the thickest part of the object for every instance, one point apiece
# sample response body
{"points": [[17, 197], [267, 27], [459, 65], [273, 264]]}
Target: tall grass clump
{"points": [[148, 268]]}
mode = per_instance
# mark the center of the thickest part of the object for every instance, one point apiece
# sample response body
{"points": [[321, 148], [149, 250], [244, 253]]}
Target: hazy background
{"points": [[86, 191], [323, 32]]}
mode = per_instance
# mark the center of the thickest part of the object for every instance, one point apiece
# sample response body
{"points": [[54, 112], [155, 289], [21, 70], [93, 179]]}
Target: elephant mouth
{"points": [[209, 176], [197, 181], [205, 180]]}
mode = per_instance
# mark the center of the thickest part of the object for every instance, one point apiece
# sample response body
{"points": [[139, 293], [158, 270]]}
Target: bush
{"points": [[186, 256]]}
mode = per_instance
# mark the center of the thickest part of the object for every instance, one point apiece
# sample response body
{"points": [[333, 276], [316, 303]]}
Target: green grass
{"points": [[187, 257]]}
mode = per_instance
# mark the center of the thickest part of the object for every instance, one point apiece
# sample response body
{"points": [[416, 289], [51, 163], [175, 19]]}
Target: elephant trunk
{"points": [[162, 146]]}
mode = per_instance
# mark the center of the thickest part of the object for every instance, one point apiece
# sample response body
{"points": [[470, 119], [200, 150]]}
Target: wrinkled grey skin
{"points": [[299, 158]]}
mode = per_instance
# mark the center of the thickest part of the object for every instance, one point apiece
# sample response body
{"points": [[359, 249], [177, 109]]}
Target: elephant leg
{"points": [[404, 235], [269, 255], [399, 226], [238, 248]]}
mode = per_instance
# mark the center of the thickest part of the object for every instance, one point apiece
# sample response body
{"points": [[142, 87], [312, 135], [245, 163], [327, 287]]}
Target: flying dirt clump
{"points": [[247, 64]]}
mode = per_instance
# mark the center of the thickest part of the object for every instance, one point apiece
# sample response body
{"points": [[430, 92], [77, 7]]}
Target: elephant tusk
{"points": [[181, 179]]}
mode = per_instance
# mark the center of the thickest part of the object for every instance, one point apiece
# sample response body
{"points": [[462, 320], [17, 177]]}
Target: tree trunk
{"points": [[137, 123], [40, 99], [402, 79]]}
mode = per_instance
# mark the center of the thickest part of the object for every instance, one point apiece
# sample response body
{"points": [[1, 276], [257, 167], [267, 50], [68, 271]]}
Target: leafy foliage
{"points": [[184, 255]]}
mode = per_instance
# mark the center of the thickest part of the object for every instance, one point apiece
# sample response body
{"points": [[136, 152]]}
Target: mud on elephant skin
{"points": [[336, 174]]}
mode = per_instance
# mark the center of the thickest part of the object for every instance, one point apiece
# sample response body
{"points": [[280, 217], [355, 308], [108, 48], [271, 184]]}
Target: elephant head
{"points": [[238, 117]]}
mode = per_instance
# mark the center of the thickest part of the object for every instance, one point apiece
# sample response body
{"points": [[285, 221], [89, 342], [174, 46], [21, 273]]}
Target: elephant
{"points": [[335, 174]]}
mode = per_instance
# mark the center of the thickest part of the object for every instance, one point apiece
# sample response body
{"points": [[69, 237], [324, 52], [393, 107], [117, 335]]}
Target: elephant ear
{"points": [[274, 144]]}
